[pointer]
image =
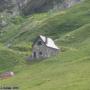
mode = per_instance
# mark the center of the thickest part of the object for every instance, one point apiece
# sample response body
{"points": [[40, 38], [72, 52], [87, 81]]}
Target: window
{"points": [[40, 53], [39, 43]]}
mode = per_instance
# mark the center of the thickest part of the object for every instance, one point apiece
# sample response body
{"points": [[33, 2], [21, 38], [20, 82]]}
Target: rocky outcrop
{"points": [[34, 6], [27, 7]]}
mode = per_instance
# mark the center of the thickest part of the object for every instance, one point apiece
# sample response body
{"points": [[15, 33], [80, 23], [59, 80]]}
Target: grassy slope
{"points": [[8, 59], [67, 71], [51, 24]]}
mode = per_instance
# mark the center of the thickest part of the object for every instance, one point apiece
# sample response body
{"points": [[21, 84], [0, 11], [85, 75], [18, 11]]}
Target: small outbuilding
{"points": [[44, 47]]}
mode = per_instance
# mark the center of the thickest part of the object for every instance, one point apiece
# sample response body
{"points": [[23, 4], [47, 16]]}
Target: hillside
{"points": [[10, 9], [69, 70]]}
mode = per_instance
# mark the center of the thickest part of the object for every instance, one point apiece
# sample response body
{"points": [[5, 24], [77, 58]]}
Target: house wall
{"points": [[42, 51]]}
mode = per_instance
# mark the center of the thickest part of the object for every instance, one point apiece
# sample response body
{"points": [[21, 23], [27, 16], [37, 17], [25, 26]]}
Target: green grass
{"points": [[8, 59], [69, 70], [77, 36]]}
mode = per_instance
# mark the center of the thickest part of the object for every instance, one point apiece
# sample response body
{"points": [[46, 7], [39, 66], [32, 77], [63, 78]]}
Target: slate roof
{"points": [[49, 42]]}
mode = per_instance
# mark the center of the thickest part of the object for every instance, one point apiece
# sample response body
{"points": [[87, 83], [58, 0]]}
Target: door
{"points": [[34, 54]]}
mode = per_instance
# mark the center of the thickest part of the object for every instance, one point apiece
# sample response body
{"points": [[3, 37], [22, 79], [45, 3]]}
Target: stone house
{"points": [[44, 47]]}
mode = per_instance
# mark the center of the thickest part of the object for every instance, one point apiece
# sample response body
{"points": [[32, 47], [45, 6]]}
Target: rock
{"points": [[3, 23], [7, 75], [28, 7]]}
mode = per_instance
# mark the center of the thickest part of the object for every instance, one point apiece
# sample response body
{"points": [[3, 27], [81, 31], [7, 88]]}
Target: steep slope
{"points": [[13, 8], [69, 70], [54, 25]]}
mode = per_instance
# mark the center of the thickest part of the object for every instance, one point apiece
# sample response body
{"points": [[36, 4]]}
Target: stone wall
{"points": [[42, 51]]}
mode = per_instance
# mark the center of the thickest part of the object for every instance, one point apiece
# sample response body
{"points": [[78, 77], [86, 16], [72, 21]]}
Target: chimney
{"points": [[46, 40]]}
